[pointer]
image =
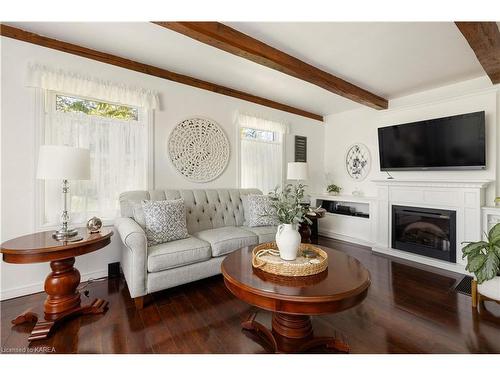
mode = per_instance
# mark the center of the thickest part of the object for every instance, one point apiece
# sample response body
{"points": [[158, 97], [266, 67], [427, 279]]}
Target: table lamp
{"points": [[297, 171], [64, 163]]}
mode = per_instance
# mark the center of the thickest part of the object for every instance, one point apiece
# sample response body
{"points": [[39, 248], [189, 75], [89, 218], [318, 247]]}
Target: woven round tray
{"points": [[266, 258]]}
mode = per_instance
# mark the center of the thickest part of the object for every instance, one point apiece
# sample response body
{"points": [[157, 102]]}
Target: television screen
{"points": [[456, 142]]}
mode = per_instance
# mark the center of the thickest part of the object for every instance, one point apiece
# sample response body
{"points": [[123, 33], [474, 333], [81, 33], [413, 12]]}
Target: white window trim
{"points": [[42, 101], [238, 154]]}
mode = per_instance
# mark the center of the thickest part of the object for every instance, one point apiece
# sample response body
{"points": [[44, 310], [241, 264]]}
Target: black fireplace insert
{"points": [[425, 231]]}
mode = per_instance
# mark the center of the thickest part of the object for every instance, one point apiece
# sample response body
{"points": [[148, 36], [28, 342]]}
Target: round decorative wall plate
{"points": [[358, 161], [199, 149]]}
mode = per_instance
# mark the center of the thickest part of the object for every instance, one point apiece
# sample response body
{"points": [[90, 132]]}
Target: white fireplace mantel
{"points": [[474, 184], [465, 197]]}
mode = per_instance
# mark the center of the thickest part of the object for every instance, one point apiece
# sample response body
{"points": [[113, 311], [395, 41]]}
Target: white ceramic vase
{"points": [[288, 241]]}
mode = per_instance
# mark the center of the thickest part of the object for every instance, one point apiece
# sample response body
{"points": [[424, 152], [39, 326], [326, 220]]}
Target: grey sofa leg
{"points": [[139, 302]]}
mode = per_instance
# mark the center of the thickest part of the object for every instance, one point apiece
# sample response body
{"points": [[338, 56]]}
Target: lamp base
{"points": [[67, 235]]}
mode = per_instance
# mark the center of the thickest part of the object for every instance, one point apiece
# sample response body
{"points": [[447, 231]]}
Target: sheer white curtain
{"points": [[58, 80], [118, 148], [118, 152], [261, 165], [261, 160], [245, 120]]}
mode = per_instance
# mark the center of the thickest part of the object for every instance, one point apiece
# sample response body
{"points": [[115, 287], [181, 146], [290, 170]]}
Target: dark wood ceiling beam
{"points": [[230, 40], [25, 36], [484, 39]]}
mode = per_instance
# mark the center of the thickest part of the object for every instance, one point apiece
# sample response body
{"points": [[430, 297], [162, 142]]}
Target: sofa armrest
{"points": [[134, 255], [131, 233]]}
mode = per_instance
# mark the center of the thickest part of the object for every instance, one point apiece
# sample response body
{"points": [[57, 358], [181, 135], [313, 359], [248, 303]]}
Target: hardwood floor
{"points": [[410, 308]]}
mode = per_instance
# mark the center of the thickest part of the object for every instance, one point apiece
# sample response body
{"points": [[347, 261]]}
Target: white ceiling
{"points": [[389, 59]]}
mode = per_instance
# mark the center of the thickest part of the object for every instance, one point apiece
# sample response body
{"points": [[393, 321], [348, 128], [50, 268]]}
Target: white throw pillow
{"points": [[165, 221], [258, 211]]}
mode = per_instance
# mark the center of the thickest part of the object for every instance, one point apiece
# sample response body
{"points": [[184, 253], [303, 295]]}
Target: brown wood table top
{"points": [[343, 285], [61, 285], [41, 247]]}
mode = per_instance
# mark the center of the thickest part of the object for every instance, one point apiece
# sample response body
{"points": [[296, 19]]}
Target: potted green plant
{"points": [[497, 201], [333, 189], [483, 260], [290, 213]]}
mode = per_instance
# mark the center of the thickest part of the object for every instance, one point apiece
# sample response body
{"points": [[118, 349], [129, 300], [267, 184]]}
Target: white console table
{"points": [[356, 229]]}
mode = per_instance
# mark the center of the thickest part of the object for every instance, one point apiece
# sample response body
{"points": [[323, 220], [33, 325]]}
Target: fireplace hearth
{"points": [[425, 231]]}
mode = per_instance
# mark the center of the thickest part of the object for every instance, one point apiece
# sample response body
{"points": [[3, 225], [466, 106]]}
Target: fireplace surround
{"points": [[464, 197]]}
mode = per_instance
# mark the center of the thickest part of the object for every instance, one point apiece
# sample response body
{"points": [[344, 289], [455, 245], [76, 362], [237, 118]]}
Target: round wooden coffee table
{"points": [[292, 300], [63, 299]]}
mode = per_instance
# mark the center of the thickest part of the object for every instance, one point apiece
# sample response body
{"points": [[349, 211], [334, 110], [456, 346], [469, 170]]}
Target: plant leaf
{"points": [[494, 234], [473, 246], [475, 262], [497, 250], [489, 268]]}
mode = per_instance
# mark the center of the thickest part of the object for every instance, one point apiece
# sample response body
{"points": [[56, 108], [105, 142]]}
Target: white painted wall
{"points": [[178, 102], [361, 125]]}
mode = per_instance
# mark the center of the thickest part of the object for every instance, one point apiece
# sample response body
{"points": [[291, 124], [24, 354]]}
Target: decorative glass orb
{"points": [[94, 225]]}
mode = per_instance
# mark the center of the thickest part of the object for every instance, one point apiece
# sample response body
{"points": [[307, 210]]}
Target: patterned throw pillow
{"points": [[258, 211], [165, 221]]}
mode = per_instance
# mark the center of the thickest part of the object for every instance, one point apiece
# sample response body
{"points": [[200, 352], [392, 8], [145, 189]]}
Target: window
{"points": [[258, 135], [117, 137], [261, 153], [66, 103]]}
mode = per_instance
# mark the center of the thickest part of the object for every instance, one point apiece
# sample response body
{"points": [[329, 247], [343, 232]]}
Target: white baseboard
{"points": [[331, 234], [454, 267], [38, 287]]}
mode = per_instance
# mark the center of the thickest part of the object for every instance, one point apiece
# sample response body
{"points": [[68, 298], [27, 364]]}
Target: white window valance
{"points": [[71, 83], [256, 122]]}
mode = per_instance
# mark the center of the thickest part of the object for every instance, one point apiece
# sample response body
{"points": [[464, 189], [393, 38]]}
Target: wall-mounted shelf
{"points": [[344, 214], [338, 204], [344, 198], [353, 226]]}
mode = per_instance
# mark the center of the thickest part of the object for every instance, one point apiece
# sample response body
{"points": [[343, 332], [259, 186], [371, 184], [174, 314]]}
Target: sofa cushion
{"points": [[165, 221], [265, 234], [259, 211], [227, 239], [177, 253]]}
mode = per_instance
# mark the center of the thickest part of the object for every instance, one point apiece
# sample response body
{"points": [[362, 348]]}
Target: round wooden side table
{"points": [[292, 300], [63, 300]]}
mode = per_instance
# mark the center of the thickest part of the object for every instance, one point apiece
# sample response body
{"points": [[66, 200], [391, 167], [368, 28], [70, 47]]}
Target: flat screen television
{"points": [[456, 142]]}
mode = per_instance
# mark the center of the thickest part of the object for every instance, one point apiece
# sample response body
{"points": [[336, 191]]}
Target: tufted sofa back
{"points": [[205, 209]]}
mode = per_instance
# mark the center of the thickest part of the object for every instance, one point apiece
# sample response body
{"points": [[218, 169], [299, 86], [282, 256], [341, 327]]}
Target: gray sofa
{"points": [[215, 222]]}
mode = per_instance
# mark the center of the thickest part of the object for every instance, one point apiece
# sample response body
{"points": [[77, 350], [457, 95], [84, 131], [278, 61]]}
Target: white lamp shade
{"points": [[63, 163], [297, 171]]}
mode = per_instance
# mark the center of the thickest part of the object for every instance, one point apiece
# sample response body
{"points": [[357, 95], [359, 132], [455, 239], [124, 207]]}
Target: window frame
{"points": [[45, 101], [239, 156]]}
